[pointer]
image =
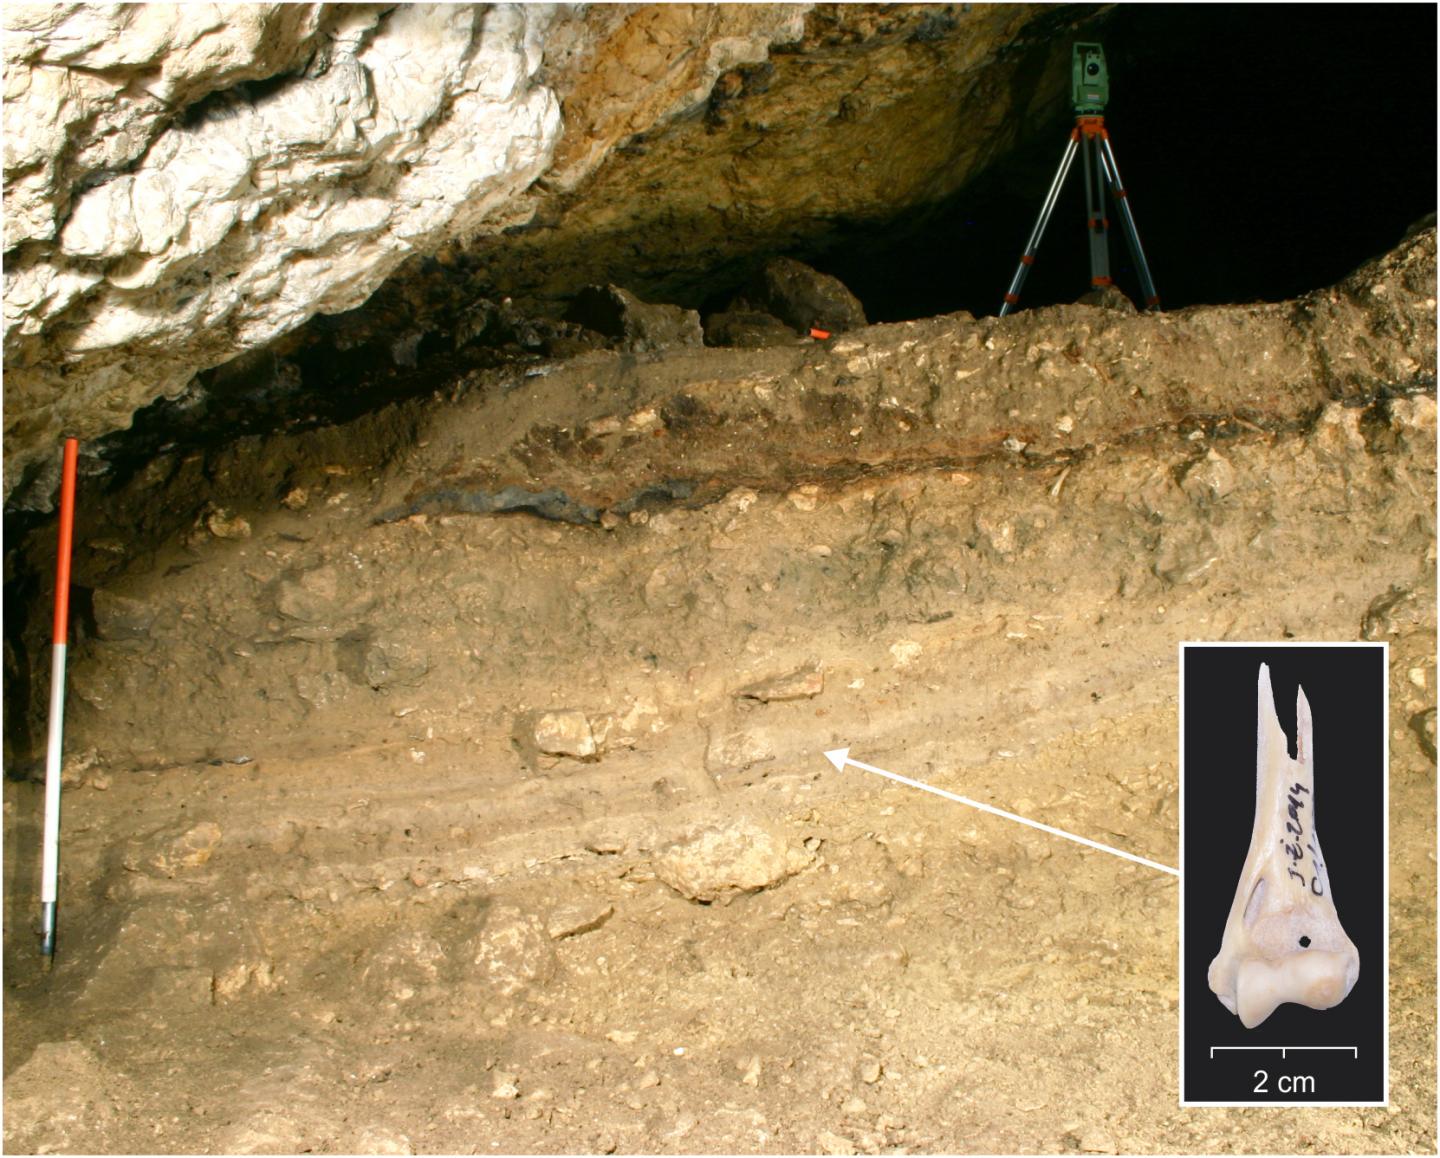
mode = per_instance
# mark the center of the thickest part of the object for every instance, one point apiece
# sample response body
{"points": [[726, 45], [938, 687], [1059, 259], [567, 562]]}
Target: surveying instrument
{"points": [[1089, 90]]}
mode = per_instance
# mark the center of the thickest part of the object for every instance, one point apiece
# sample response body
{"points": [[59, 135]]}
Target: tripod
{"points": [[1090, 139]]}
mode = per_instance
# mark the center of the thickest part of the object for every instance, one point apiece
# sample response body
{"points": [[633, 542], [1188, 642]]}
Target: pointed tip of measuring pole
{"points": [[838, 757]]}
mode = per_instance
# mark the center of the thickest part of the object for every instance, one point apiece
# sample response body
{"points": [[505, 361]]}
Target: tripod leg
{"points": [[1097, 224], [1127, 219], [1027, 259]]}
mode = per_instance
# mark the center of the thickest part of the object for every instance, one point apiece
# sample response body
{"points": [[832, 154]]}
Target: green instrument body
{"points": [[1089, 79]]}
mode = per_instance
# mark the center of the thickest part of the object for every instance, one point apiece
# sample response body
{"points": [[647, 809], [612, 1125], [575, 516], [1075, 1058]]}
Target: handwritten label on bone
{"points": [[1295, 849]]}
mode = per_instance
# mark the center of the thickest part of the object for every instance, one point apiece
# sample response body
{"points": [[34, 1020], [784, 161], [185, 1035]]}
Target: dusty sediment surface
{"points": [[454, 782]]}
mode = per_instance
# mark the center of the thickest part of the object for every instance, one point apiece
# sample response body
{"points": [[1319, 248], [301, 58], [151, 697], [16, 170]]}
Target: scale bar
{"points": [[1284, 1049]]}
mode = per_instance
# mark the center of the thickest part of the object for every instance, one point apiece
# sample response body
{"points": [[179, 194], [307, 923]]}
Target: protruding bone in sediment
{"points": [[1283, 940]]}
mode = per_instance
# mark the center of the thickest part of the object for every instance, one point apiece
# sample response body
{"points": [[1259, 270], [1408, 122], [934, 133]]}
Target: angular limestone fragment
{"points": [[802, 684], [1283, 940]]}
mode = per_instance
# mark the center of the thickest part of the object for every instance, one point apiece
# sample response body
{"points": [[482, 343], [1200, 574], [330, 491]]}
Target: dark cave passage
{"points": [[1267, 151]]}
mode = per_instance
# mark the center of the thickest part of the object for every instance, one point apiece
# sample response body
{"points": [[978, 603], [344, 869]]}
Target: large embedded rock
{"points": [[512, 954], [640, 327], [720, 863], [804, 298]]}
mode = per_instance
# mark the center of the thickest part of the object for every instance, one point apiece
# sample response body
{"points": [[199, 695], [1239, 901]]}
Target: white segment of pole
{"points": [[50, 862]]}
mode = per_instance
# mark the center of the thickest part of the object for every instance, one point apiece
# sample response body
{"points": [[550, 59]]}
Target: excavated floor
{"points": [[323, 891]]}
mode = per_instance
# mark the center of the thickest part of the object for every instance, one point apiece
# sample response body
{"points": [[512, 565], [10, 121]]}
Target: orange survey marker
{"points": [[816, 332]]}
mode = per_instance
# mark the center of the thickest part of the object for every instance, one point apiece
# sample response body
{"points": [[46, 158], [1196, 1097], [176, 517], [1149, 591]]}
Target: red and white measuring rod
{"points": [[50, 865]]}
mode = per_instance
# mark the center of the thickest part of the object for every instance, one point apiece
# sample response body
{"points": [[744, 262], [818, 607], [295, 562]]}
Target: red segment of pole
{"points": [[67, 531]]}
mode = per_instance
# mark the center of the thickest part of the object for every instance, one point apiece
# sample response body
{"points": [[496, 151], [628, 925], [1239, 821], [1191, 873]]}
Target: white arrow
{"points": [[841, 756]]}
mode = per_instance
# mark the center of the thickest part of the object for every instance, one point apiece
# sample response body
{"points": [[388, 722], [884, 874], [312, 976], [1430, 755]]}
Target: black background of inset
{"points": [[1345, 688]]}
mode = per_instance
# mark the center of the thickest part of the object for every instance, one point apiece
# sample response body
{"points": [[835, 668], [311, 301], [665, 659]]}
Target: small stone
{"points": [[870, 1071], [853, 1106], [267, 1131], [751, 1076], [622, 1036], [74, 767], [648, 1080], [512, 952], [120, 617], [646, 418], [803, 683], [575, 919], [507, 1085], [100, 781], [296, 498], [311, 598], [905, 652], [558, 732], [385, 662], [1110, 297], [1210, 478], [374, 1140], [1095, 1141], [998, 532], [804, 498], [224, 524], [599, 427], [834, 1144], [737, 751], [718, 863], [192, 849]]}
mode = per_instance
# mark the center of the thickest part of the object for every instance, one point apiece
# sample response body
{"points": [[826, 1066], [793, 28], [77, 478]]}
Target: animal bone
{"points": [[1283, 940]]}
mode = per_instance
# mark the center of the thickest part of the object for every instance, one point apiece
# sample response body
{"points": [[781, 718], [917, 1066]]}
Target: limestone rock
{"points": [[802, 684], [802, 297], [404, 963], [311, 598], [577, 917], [718, 863], [266, 1131], [191, 848], [384, 661], [557, 732], [1107, 297], [196, 237], [735, 751], [1210, 478], [640, 327], [121, 617], [378, 1140], [512, 952], [753, 328]]}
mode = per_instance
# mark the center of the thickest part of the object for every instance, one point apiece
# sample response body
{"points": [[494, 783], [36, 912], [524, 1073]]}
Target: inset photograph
{"points": [[1283, 967]]}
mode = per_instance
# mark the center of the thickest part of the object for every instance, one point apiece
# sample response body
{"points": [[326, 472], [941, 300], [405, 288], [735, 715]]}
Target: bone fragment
{"points": [[1283, 940]]}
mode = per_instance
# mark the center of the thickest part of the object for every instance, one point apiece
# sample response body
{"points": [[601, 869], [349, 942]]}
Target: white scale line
{"points": [[1354, 1050], [841, 757]]}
